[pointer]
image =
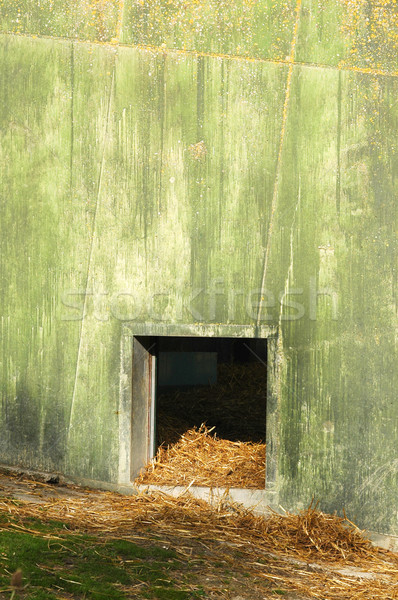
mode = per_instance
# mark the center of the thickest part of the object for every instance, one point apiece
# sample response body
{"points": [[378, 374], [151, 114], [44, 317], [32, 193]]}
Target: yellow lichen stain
{"points": [[371, 31], [212, 25], [104, 17], [94, 20], [198, 151], [185, 27]]}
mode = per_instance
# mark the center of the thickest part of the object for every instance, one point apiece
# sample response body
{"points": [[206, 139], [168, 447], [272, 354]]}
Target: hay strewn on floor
{"points": [[201, 458], [267, 545]]}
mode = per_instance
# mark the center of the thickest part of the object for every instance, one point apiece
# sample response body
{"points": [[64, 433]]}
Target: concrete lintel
{"points": [[200, 330]]}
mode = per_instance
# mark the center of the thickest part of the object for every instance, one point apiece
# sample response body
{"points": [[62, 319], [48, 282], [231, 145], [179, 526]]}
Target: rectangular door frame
{"points": [[137, 409]]}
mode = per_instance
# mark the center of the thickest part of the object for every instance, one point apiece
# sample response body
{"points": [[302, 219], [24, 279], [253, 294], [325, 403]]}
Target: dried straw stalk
{"points": [[200, 457]]}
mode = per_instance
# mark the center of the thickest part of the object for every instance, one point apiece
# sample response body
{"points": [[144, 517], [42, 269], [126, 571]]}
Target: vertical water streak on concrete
{"points": [[198, 223], [279, 162], [222, 153], [120, 21], [279, 352], [338, 174], [91, 246], [289, 273], [200, 97], [162, 116], [72, 99]]}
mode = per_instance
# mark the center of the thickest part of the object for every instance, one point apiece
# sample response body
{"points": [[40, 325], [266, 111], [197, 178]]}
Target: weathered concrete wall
{"points": [[338, 412], [167, 186]]}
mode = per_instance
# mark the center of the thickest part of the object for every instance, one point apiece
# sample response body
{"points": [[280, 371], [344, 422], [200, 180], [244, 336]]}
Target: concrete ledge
{"points": [[42, 476], [388, 542], [259, 501], [62, 480]]}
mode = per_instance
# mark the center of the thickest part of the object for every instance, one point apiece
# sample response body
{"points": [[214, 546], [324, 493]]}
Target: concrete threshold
{"points": [[260, 501]]}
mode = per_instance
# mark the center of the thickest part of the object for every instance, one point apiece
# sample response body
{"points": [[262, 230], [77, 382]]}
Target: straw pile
{"points": [[200, 458], [213, 435], [276, 549]]}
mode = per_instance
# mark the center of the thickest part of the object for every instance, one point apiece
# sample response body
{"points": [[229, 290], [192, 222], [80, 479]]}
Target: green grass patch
{"points": [[55, 561]]}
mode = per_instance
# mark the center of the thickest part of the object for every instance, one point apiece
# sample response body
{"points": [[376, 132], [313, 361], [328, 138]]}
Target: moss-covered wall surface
{"points": [[202, 163]]}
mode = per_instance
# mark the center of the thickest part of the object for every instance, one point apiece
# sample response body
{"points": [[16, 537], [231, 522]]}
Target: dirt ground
{"points": [[226, 563]]}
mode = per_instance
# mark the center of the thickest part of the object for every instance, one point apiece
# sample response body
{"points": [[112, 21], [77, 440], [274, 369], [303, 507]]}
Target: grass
{"points": [[58, 563]]}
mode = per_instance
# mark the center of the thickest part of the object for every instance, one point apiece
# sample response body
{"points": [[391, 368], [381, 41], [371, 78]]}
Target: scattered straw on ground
{"points": [[305, 553], [201, 458]]}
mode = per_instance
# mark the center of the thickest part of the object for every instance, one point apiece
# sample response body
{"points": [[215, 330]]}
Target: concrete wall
{"points": [[241, 170]]}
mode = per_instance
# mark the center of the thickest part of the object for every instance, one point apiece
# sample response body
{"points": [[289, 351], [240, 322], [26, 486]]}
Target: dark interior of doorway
{"points": [[219, 382]]}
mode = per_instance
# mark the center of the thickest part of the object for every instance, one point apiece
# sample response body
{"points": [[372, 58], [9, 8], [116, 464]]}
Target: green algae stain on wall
{"points": [[140, 185], [29, 239], [349, 33], [346, 33], [91, 439], [113, 199], [82, 19], [179, 186], [369, 304], [49, 179], [257, 28], [158, 231], [339, 361]]}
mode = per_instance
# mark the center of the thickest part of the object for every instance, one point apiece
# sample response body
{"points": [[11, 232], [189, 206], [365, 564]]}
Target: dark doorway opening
{"points": [[218, 382], [199, 409]]}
